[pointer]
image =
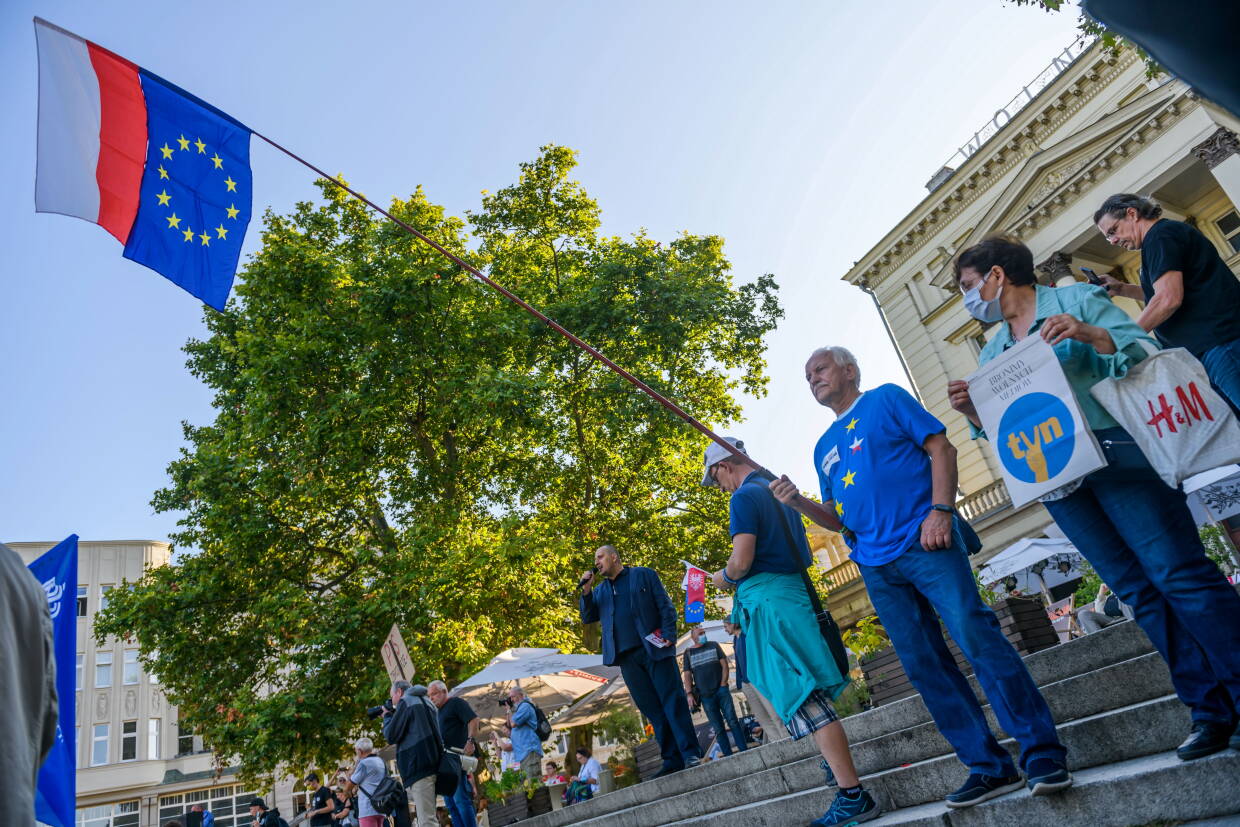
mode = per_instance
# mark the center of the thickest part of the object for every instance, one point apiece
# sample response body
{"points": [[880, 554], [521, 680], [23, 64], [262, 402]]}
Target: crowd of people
{"points": [[888, 480]]}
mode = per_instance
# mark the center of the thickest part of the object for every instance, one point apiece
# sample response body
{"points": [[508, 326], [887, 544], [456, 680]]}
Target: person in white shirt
{"points": [[1107, 609]]}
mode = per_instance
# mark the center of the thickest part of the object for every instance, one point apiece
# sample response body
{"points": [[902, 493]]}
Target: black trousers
{"points": [[660, 695]]}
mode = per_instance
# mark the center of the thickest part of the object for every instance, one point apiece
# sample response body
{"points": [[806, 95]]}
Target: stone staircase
{"points": [[1117, 715]]}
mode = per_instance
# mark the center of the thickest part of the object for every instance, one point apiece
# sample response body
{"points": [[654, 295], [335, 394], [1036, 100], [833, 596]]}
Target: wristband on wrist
{"points": [[729, 580], [946, 509]]}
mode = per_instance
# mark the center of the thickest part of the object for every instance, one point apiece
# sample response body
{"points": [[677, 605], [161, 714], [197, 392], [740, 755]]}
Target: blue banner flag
{"points": [[57, 571], [195, 199]]}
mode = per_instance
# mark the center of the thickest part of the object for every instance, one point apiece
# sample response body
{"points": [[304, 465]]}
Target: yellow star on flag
{"points": [[219, 162], [163, 173], [183, 141], [202, 148], [221, 232], [206, 239], [164, 198], [167, 150], [231, 184], [848, 478], [851, 425], [839, 509], [232, 210], [173, 221], [188, 233]]}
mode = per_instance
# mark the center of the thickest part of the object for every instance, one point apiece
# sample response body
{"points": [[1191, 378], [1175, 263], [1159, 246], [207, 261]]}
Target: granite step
{"points": [[1138, 791], [1119, 647], [1142, 728]]}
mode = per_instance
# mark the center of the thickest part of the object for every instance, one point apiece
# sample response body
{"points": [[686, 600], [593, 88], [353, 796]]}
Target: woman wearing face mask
{"points": [[1136, 532]]}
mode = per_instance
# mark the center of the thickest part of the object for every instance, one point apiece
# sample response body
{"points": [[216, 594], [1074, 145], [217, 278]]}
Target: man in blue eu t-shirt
{"points": [[888, 475]]}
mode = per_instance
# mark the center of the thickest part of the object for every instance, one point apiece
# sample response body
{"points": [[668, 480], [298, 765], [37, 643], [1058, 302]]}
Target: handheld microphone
{"points": [[582, 582]]}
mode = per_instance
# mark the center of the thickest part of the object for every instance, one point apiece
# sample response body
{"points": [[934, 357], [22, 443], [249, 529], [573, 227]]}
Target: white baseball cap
{"points": [[716, 453]]}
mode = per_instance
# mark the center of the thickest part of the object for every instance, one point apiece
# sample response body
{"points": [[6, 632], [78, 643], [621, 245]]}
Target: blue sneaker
{"points": [[845, 811], [1046, 776], [978, 788]]}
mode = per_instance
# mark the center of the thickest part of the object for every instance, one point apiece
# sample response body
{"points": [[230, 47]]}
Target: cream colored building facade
{"points": [[135, 767], [1090, 126]]}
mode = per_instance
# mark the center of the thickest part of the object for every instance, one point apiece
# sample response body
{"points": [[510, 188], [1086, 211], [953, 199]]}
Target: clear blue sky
{"points": [[798, 131]]}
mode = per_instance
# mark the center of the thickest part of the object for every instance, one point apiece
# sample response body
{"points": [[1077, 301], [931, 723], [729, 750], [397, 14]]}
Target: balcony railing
{"points": [[984, 502], [843, 574]]}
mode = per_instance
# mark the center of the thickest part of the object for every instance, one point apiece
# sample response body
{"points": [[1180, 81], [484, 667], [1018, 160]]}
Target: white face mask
{"points": [[984, 310]]}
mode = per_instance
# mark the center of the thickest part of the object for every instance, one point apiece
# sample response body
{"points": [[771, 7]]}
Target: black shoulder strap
{"points": [[814, 601]]}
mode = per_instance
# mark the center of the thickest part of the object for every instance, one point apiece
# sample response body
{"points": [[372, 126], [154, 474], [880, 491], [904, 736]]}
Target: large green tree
{"points": [[393, 443]]}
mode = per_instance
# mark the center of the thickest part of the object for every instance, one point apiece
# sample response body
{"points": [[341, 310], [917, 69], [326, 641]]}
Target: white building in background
{"points": [[136, 766]]}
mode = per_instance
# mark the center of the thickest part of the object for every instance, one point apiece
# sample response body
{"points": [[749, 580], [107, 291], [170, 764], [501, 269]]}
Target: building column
{"points": [[1221, 155], [1056, 271]]}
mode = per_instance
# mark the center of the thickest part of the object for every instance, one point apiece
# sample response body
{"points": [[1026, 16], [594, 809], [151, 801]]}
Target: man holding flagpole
{"points": [[27, 691]]}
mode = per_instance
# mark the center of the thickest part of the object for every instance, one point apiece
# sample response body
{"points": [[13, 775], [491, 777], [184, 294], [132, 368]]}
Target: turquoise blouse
{"points": [[1083, 366]]}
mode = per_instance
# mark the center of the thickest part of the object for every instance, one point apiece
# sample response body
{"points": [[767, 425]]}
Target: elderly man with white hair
{"points": [[367, 774], [887, 473]]}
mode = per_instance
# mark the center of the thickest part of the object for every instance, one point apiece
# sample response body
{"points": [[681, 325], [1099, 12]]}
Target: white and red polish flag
{"points": [[165, 173]]}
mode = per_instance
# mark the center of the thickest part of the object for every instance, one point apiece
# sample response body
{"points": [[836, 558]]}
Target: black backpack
{"points": [[542, 725], [388, 795]]}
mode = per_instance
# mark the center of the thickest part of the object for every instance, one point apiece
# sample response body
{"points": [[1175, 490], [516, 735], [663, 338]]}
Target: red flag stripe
{"points": [[122, 140]]}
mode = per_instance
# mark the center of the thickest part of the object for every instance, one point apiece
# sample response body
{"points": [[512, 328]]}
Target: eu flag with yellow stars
{"points": [[195, 197]]}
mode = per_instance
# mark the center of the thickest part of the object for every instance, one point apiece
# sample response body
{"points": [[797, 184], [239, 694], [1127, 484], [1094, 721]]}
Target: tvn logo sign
{"points": [[1191, 407]]}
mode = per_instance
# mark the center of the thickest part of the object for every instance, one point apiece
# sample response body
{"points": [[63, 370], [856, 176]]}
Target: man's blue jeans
{"points": [[719, 708], [461, 804], [1140, 537], [1222, 364], [907, 592]]}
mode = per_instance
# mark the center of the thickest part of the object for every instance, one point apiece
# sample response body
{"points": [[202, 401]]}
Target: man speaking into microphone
{"points": [[639, 636]]}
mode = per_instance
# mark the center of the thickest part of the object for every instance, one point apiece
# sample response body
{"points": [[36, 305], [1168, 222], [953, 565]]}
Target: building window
{"points": [[152, 739], [129, 671], [129, 740], [99, 745], [223, 802], [80, 659], [185, 740], [103, 670], [103, 597], [1229, 226], [124, 814], [151, 675], [82, 590], [77, 743]]}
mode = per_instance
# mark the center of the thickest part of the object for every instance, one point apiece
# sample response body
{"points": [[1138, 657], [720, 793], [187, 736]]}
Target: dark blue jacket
{"points": [[649, 604]]}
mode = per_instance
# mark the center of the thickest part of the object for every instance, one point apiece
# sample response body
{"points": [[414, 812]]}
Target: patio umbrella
{"points": [[1021, 555], [551, 680]]}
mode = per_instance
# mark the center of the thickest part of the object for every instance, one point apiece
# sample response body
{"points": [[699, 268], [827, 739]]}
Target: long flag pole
{"points": [[533, 311]]}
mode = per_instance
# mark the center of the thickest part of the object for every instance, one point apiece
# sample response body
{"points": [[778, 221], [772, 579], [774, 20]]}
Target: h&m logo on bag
{"points": [[1192, 406]]}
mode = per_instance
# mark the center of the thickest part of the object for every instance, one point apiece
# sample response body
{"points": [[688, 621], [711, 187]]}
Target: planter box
{"points": [[540, 802], [512, 809], [649, 759], [1024, 623]]}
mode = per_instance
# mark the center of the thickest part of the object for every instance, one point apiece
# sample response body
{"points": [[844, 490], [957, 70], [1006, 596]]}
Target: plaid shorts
{"points": [[813, 715]]}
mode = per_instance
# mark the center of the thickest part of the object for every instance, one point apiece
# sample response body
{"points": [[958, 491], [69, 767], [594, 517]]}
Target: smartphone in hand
{"points": [[1092, 276]]}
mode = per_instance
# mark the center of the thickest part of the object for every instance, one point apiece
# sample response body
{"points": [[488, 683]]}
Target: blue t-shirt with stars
{"points": [[871, 462]]}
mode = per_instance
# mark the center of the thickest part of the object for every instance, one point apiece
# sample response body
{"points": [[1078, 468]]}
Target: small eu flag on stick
{"points": [[165, 173]]}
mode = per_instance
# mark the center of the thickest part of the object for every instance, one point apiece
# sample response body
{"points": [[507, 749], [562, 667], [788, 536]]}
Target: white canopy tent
{"points": [[1021, 559], [550, 678]]}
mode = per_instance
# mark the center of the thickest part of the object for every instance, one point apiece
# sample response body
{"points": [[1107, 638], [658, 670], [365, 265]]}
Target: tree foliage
{"points": [[1086, 25], [393, 443]]}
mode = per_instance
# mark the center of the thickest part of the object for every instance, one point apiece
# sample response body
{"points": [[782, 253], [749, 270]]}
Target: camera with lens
{"points": [[504, 701], [385, 709]]}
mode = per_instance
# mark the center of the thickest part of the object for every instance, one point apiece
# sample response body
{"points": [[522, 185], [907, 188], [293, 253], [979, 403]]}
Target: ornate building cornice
{"points": [[1217, 148], [1018, 141], [1057, 266]]}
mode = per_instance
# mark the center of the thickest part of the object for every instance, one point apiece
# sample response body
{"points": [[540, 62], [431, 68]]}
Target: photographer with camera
{"points": [[526, 745], [414, 729]]}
